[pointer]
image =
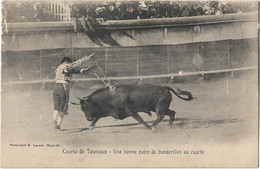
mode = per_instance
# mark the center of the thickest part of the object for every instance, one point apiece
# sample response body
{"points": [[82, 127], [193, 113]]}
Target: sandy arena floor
{"points": [[224, 112]]}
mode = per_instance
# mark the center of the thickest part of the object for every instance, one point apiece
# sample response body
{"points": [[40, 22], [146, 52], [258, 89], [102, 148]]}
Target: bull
{"points": [[125, 100]]}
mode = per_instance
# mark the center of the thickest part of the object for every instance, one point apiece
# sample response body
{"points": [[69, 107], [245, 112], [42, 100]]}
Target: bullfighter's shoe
{"points": [[58, 128]]}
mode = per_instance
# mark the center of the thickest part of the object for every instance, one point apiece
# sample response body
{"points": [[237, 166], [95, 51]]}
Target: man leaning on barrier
{"points": [[62, 89]]}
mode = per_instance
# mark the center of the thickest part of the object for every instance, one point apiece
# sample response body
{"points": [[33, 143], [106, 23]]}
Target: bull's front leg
{"points": [[92, 125]]}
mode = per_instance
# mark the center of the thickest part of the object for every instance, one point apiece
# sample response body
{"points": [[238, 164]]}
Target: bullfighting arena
{"points": [[223, 111], [222, 116], [209, 48]]}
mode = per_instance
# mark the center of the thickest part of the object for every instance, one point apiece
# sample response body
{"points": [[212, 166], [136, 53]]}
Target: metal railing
{"points": [[61, 11]]}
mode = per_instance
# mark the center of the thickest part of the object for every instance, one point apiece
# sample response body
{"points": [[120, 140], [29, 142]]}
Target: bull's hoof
{"points": [[91, 128]]}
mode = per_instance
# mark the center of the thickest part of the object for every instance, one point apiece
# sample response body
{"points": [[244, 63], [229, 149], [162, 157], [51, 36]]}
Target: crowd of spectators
{"points": [[87, 13], [26, 11], [36, 11], [122, 10]]}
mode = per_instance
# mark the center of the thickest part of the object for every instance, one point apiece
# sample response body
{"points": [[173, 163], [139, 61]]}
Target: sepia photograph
{"points": [[129, 84]]}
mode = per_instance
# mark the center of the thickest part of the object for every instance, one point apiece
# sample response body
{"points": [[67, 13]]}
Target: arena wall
{"points": [[32, 51], [163, 31]]}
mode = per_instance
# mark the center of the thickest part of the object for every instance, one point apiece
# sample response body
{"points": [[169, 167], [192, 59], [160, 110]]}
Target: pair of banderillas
{"points": [[82, 60], [107, 81]]}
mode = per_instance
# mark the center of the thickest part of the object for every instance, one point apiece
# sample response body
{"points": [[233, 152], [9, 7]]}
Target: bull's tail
{"points": [[181, 92]]}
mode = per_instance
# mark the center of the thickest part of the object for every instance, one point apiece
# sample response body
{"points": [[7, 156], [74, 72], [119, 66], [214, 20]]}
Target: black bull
{"points": [[124, 101]]}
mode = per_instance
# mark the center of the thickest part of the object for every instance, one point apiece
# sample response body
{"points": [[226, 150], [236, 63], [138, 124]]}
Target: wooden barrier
{"points": [[134, 61], [136, 77]]}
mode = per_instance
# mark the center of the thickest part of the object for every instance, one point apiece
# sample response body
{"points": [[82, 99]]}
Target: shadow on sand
{"points": [[178, 123]]}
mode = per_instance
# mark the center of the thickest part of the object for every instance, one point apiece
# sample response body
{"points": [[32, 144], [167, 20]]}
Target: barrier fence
{"points": [[61, 11], [134, 62]]}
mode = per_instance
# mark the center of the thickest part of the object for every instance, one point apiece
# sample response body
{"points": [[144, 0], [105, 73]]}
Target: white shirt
{"points": [[62, 75]]}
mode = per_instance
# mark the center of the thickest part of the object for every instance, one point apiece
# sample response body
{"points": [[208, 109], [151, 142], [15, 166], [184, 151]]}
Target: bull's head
{"points": [[87, 107]]}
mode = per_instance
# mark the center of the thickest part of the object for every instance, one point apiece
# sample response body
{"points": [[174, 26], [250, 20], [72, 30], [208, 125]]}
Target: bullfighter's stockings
{"points": [[61, 115], [59, 119], [55, 116], [67, 93]]}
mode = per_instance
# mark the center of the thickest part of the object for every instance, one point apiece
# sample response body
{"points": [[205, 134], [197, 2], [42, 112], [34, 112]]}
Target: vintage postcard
{"points": [[129, 84]]}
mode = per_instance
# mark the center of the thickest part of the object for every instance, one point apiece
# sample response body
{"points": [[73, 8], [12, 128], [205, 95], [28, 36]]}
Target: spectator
{"points": [[83, 13], [207, 9], [74, 14], [120, 11], [175, 11], [153, 9], [220, 8], [110, 13], [79, 14], [89, 23], [196, 10], [162, 9], [142, 10], [185, 11], [39, 16], [99, 12], [131, 12], [168, 9]]}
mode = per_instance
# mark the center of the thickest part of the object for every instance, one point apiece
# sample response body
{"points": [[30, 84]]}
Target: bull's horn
{"points": [[75, 103], [85, 98], [79, 98]]}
